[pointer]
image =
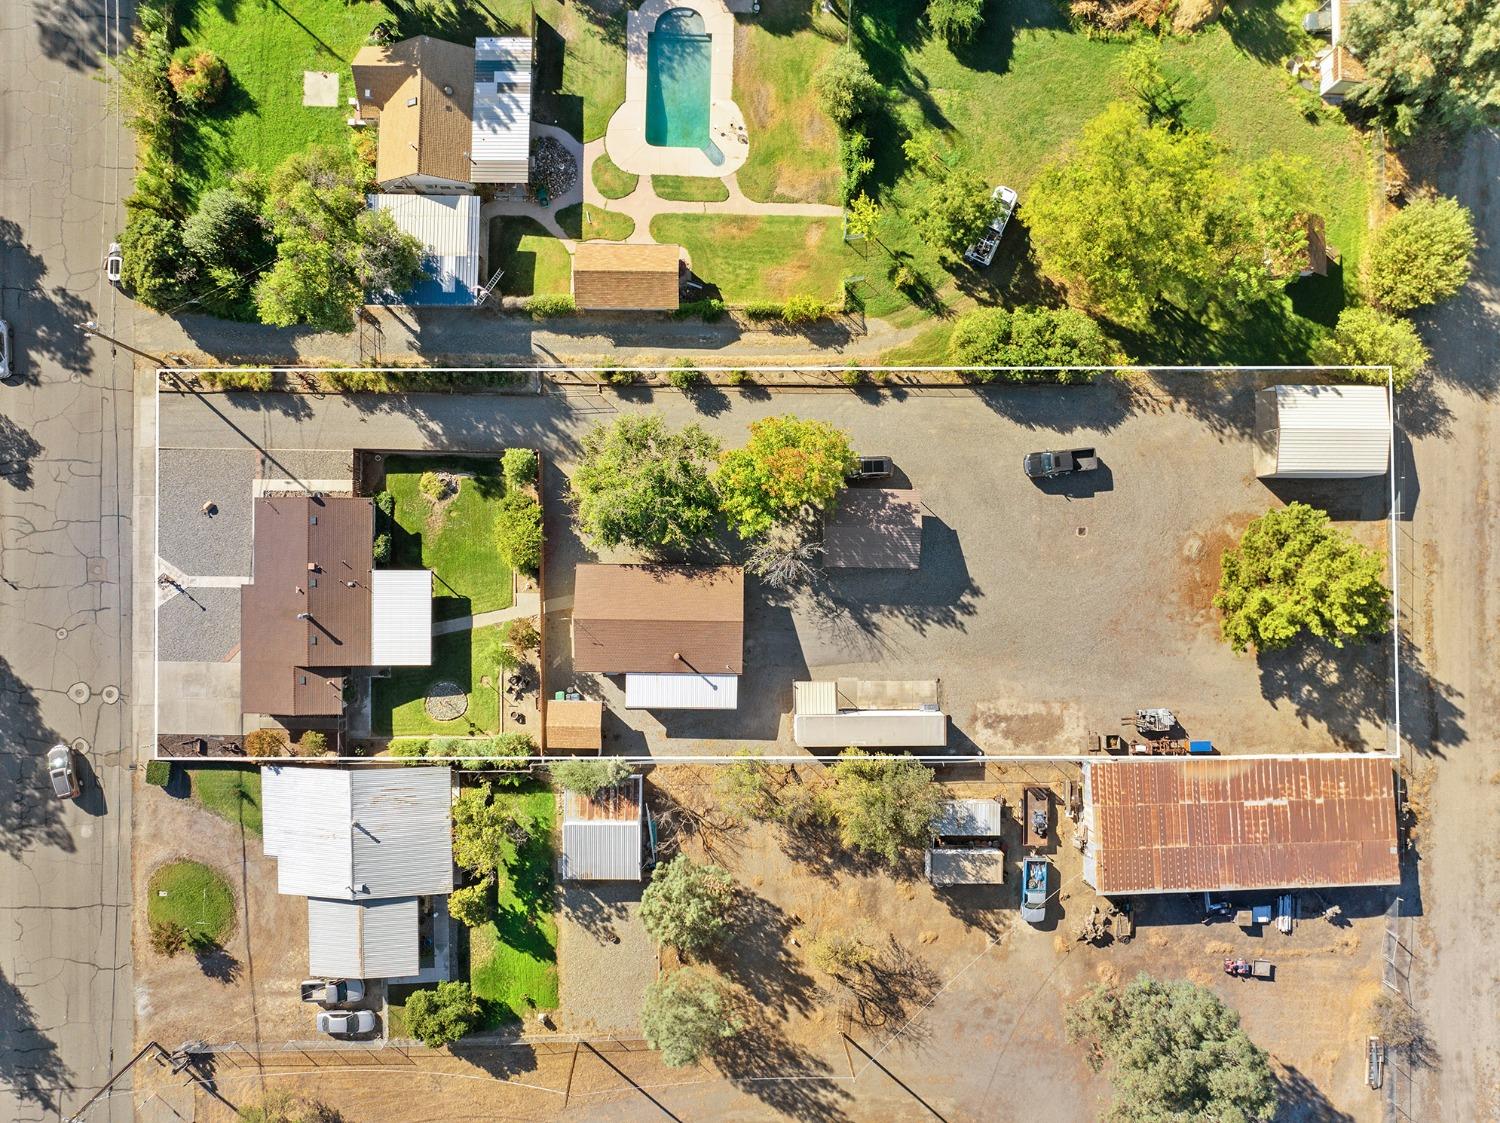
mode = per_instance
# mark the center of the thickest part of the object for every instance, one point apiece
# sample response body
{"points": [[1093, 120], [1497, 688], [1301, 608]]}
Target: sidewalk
{"points": [[527, 605]]}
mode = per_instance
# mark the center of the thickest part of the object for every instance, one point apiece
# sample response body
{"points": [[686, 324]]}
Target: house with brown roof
{"points": [[1168, 825], [420, 92], [621, 277], [675, 632], [316, 607]]}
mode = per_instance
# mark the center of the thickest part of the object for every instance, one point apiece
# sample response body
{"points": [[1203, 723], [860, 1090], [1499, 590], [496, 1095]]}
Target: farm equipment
{"points": [[1250, 969]]}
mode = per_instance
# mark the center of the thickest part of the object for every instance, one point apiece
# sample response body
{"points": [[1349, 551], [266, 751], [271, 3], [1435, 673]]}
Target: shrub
{"points": [[617, 376], [708, 309], [1370, 337], [256, 379], [158, 773], [856, 164], [1421, 255], [265, 742], [198, 75], [313, 742], [523, 637], [156, 269], [687, 906], [839, 954], [381, 549], [442, 1015], [432, 486], [168, 937], [957, 21], [589, 776], [883, 806], [226, 228], [542, 305], [146, 96], [684, 375], [737, 377], [851, 375], [684, 1016], [763, 310], [472, 905], [518, 529], [519, 466], [801, 308], [845, 87], [385, 503], [410, 748], [1034, 337]]}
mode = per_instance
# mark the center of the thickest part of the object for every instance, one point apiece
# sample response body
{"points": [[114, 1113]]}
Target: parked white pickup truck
{"points": [[982, 253]]}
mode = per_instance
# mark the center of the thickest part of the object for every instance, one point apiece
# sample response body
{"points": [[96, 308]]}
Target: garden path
{"points": [[527, 605]]}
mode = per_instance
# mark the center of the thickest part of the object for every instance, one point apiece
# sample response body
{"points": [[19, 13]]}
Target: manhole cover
{"points": [[110, 694], [80, 745], [79, 692], [446, 701], [1083, 532], [62, 633]]}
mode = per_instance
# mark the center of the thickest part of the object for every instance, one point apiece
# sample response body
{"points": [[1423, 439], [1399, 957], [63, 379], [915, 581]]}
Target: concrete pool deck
{"points": [[625, 137]]}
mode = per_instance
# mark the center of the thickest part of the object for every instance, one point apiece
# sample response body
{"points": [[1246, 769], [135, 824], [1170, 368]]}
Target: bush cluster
{"points": [[708, 310], [543, 305], [158, 773], [481, 751], [519, 466], [851, 96], [684, 375], [518, 530], [259, 379], [198, 76]]}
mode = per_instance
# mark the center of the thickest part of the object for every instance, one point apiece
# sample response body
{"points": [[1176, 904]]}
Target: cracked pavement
{"points": [[66, 1001]]}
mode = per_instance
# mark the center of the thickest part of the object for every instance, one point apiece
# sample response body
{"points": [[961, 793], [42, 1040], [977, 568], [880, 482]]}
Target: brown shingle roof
{"points": [[280, 655], [610, 276], [1187, 825], [636, 618], [875, 528], [430, 137], [574, 724]]}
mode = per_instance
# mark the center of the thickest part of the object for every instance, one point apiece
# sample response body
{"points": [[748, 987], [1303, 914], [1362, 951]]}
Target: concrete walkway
{"points": [[527, 605], [530, 208]]}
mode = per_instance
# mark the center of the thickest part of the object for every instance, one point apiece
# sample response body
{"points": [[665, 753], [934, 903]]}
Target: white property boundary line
{"points": [[1393, 752]]}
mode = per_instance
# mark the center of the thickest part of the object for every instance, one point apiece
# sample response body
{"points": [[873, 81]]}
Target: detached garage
{"points": [[1322, 432]]}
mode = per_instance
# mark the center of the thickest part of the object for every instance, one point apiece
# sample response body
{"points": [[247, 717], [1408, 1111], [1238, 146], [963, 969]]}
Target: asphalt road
{"points": [[66, 1003]]}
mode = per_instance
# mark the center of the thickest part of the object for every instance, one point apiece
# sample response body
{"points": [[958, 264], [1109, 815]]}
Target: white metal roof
{"points": [[359, 835], [871, 729], [401, 618], [965, 867], [448, 228], [969, 818], [500, 140], [1332, 431], [681, 692], [601, 851], [362, 939], [815, 697]]}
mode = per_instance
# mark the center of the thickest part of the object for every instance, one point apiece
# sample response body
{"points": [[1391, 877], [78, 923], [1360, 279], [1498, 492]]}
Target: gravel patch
{"points": [[199, 544], [446, 701], [307, 465], [552, 166], [606, 959], [199, 625]]}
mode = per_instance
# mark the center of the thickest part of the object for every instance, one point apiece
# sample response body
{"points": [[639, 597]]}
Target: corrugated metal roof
{"points": [[362, 939], [500, 140], [638, 617], [681, 692], [574, 724], [448, 228], [969, 818], [965, 867], [872, 729], [887, 694], [819, 698], [601, 834], [359, 835], [1174, 826], [618, 804], [401, 618], [874, 528], [1332, 431]]}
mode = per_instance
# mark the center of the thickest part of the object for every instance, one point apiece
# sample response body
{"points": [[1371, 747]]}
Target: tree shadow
{"points": [[44, 322], [30, 1064], [67, 32], [885, 993], [448, 19], [18, 448], [761, 1061], [218, 963], [599, 909], [756, 956], [30, 816], [1299, 1100], [501, 1061], [1258, 29]]}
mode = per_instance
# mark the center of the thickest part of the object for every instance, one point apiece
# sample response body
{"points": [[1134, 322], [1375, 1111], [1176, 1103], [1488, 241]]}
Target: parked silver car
{"points": [[346, 1023], [63, 770], [333, 992], [114, 263], [5, 360]]}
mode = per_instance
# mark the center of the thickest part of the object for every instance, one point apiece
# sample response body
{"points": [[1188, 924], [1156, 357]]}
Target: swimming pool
{"points": [[677, 81]]}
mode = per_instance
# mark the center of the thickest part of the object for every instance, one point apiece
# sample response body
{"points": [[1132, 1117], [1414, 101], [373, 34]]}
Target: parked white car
{"points": [[62, 769], [346, 1023], [982, 253], [114, 263], [5, 367]]}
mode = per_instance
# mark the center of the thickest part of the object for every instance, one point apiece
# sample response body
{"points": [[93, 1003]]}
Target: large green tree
{"points": [[1434, 61], [954, 205], [1138, 214], [1029, 337], [443, 1014], [1421, 254], [1294, 572], [685, 1016], [1370, 337], [486, 831], [390, 260], [1178, 1054], [687, 906], [845, 87], [883, 806], [791, 469], [640, 484]]}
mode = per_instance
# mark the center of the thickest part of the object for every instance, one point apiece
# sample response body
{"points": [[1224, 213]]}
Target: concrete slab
{"points": [[198, 697], [320, 88]]}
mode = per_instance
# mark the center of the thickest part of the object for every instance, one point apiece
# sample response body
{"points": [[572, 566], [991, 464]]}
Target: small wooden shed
{"points": [[619, 277], [574, 726]]}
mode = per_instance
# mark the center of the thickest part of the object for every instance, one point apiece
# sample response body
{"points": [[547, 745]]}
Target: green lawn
{"points": [[456, 538], [534, 261], [612, 182], [194, 896], [267, 44], [690, 188], [760, 258], [580, 59], [513, 958], [398, 708], [588, 222], [230, 793]]}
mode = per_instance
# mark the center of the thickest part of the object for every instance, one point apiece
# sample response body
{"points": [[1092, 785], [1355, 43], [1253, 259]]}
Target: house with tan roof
{"points": [[420, 92], [620, 277]]}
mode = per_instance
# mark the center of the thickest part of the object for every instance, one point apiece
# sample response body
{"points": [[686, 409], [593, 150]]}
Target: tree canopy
{"points": [[845, 87], [1177, 1054], [1370, 337], [1428, 61], [443, 1014], [687, 906], [1294, 572], [589, 776], [954, 205], [957, 21], [883, 806], [685, 1016], [1040, 337], [792, 468], [486, 832], [1136, 214], [1421, 254], [639, 484]]}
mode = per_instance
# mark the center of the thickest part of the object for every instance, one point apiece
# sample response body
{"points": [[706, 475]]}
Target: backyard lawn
{"points": [[534, 261], [690, 188], [194, 896], [267, 46], [761, 258], [230, 793], [513, 957], [588, 222], [613, 182], [580, 60], [472, 660]]}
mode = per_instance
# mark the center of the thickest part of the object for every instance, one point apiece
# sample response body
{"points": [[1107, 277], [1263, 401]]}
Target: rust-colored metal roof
{"points": [[284, 659], [875, 528], [641, 618], [1186, 825], [574, 724], [619, 804]]}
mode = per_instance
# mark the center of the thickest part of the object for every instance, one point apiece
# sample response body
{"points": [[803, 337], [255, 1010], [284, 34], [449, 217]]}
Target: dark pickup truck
{"points": [[1049, 465]]}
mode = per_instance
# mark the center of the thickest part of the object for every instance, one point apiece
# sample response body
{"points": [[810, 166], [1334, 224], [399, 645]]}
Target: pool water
{"points": [[677, 81]]}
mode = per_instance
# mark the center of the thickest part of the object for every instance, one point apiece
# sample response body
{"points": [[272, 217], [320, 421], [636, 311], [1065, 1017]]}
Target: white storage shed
{"points": [[1322, 432]]}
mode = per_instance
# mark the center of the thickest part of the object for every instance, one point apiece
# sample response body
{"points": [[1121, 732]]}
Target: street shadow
{"points": [[709, 400], [30, 1064], [757, 957], [91, 799], [1099, 407], [1421, 412], [44, 322], [762, 1062], [1299, 1100], [218, 963], [18, 448], [68, 32], [500, 1061], [30, 817]]}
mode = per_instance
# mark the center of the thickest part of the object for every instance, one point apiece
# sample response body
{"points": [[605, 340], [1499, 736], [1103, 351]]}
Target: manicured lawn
{"points": [[534, 261], [760, 258], [398, 708], [230, 793], [513, 957], [613, 182], [690, 188], [455, 538], [194, 896], [588, 222], [267, 45], [793, 145]]}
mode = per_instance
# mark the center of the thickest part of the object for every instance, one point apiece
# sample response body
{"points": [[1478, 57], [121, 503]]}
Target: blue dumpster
{"points": [[1201, 748]]}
